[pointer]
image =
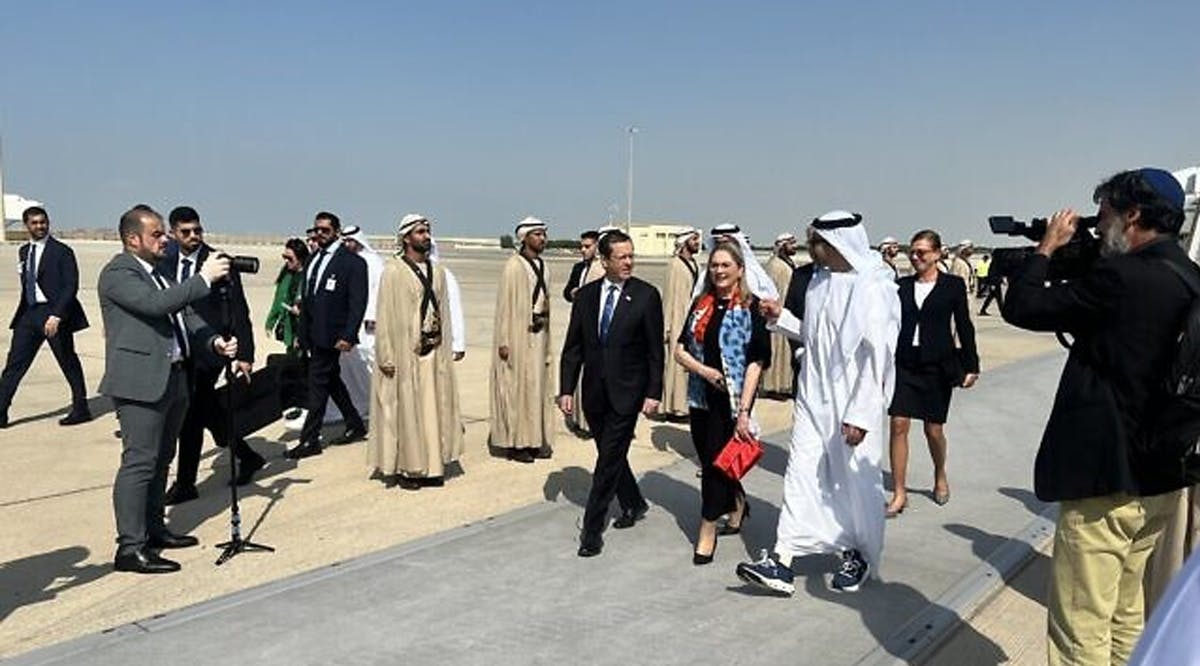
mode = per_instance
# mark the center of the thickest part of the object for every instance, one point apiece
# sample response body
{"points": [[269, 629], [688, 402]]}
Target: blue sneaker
{"points": [[768, 574], [851, 574]]}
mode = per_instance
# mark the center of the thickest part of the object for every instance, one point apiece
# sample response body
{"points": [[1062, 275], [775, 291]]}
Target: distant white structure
{"points": [[656, 239], [1189, 178]]}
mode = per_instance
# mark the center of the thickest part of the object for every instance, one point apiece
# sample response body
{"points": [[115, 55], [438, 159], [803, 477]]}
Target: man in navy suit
{"points": [[331, 311], [615, 337], [49, 311], [186, 254]]}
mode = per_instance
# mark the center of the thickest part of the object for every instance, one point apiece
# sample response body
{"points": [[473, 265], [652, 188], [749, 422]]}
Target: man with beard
{"points": [[777, 379], [48, 310], [1115, 493], [682, 274], [588, 267], [416, 428], [185, 255], [331, 312], [889, 248], [522, 399]]}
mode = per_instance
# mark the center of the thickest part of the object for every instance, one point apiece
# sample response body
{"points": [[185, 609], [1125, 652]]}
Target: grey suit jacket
{"points": [[138, 335]]}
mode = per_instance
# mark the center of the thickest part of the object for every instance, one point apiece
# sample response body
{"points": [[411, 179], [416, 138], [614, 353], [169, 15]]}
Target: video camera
{"points": [[1069, 262], [240, 263]]}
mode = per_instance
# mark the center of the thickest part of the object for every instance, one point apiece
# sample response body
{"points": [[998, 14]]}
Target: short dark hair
{"points": [[133, 220], [1128, 190], [927, 235], [34, 210], [183, 214], [334, 221], [590, 234], [609, 239]]}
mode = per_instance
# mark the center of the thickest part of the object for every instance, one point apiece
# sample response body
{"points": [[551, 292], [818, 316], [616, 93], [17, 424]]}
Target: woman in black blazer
{"points": [[928, 363]]}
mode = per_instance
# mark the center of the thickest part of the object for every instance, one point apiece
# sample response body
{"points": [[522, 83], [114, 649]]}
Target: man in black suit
{"points": [[185, 255], [615, 336], [48, 310], [331, 312], [587, 250], [1115, 492]]}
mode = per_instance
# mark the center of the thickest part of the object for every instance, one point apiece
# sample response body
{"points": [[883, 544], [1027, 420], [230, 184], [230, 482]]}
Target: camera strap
{"points": [[691, 266], [428, 297], [539, 273]]}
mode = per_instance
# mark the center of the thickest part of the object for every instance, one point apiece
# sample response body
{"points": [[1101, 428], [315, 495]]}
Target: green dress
{"points": [[281, 323]]}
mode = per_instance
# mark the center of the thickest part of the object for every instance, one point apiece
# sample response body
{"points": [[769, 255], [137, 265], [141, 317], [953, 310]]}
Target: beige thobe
{"points": [[416, 422], [677, 301], [778, 378], [522, 393]]}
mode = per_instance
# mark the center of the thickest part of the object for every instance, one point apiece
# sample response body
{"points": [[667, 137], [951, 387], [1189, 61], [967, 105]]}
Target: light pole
{"points": [[632, 130]]}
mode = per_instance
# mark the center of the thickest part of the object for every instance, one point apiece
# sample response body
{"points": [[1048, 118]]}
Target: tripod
{"points": [[236, 543]]}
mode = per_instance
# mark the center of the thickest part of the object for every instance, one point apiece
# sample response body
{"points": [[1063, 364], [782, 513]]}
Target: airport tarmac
{"points": [[55, 504]]}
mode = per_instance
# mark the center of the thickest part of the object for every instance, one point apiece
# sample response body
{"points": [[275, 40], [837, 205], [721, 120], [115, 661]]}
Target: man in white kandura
{"points": [[833, 487], [357, 364]]}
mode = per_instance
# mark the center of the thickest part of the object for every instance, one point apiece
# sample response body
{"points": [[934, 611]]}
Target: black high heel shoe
{"points": [[725, 529], [700, 559]]}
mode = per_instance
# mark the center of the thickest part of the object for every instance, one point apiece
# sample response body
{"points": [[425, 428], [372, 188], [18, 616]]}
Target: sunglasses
{"points": [[189, 231], [323, 230], [921, 253]]}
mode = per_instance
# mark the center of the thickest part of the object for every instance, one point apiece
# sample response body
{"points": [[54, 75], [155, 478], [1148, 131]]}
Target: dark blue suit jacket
{"points": [[58, 276], [209, 307], [328, 315]]}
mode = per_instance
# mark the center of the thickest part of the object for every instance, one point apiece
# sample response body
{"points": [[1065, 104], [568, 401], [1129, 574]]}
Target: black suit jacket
{"points": [[328, 315], [209, 307], [577, 272], [1125, 316], [58, 277], [793, 301], [947, 300], [628, 368]]}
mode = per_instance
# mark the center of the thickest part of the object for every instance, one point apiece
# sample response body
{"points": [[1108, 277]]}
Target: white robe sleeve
{"points": [[788, 325], [458, 326], [866, 406]]}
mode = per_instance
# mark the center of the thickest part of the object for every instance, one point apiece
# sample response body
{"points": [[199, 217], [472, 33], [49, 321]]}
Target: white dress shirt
{"points": [[604, 287], [39, 253]]}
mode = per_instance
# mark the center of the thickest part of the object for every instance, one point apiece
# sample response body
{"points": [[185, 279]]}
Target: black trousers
{"points": [[613, 432], [711, 429], [994, 293], [325, 382], [27, 338], [203, 407]]}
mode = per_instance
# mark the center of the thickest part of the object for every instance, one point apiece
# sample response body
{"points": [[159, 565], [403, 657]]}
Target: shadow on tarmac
{"points": [[39, 578]]}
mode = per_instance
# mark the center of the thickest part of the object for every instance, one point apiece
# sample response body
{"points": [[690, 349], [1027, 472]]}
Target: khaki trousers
{"points": [[1100, 550]]}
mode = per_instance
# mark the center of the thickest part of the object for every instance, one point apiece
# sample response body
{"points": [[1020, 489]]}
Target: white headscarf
{"points": [[760, 283], [527, 225], [355, 233], [873, 306], [682, 235], [408, 223]]}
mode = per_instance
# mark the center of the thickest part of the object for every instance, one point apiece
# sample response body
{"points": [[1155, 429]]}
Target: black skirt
{"points": [[922, 391]]}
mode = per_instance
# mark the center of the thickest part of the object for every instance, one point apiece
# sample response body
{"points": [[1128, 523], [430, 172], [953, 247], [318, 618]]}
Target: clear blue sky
{"points": [[477, 113]]}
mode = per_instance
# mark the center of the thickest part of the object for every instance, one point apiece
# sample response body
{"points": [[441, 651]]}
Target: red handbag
{"points": [[738, 456]]}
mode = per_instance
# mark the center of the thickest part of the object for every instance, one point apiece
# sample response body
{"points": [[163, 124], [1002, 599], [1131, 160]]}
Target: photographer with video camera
{"points": [[186, 254], [1125, 314]]}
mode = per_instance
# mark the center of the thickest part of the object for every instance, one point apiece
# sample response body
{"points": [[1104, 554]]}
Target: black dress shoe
{"points": [[3, 420], [247, 470], [521, 455], [144, 562], [75, 418], [590, 546], [351, 436], [178, 494], [544, 453], [169, 539], [408, 483], [628, 519], [303, 451]]}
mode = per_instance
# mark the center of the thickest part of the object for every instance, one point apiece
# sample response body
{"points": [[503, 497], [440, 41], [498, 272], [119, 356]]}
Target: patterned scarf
{"points": [[734, 338]]}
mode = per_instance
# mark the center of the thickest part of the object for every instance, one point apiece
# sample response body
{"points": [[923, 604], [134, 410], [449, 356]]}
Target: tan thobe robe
{"points": [[416, 421], [677, 301], [1180, 537], [778, 378], [522, 401], [594, 272]]}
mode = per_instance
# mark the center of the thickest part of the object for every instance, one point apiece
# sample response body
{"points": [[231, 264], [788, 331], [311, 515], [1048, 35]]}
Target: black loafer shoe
{"points": [[408, 483], [590, 546], [247, 470], [75, 418], [303, 451], [628, 519], [144, 562], [521, 455], [351, 436], [178, 494], [169, 539]]}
